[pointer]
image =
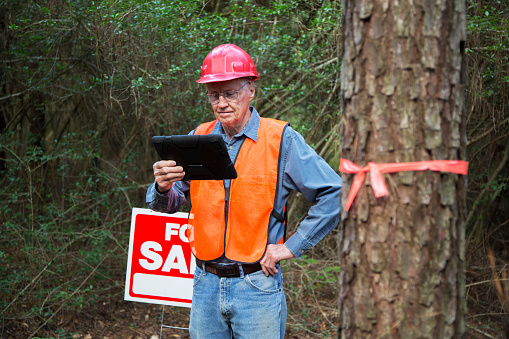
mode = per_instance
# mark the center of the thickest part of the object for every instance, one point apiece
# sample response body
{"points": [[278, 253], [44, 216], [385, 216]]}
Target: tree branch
{"points": [[479, 137], [477, 202]]}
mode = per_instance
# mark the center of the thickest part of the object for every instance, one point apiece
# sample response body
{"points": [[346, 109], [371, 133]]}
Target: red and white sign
{"points": [[160, 266]]}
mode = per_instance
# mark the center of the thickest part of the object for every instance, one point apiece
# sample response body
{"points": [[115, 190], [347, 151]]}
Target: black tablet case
{"points": [[203, 157]]}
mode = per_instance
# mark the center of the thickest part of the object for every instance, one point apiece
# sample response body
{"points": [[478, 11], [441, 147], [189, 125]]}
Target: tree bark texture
{"points": [[403, 83]]}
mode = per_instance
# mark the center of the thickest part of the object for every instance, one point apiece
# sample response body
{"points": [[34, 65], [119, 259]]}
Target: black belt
{"points": [[228, 270]]}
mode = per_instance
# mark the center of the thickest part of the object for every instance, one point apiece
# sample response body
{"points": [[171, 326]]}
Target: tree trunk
{"points": [[403, 83]]}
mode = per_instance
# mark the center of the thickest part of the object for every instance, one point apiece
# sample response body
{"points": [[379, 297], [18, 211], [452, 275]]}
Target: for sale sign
{"points": [[160, 266]]}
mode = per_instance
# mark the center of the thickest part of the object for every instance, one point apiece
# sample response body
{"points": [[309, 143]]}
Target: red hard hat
{"points": [[227, 62]]}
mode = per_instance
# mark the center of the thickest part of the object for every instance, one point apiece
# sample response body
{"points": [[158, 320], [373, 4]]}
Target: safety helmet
{"points": [[227, 62]]}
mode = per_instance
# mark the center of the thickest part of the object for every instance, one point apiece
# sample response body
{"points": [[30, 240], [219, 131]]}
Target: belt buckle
{"points": [[226, 271]]}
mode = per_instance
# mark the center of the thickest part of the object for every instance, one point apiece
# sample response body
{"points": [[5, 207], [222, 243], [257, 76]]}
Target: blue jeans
{"points": [[251, 306]]}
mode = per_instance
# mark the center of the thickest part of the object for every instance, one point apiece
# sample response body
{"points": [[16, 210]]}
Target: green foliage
{"points": [[62, 211], [310, 284], [488, 56], [145, 55], [87, 83], [319, 275], [492, 23]]}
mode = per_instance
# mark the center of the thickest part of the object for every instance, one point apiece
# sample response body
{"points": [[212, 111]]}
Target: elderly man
{"points": [[238, 229]]}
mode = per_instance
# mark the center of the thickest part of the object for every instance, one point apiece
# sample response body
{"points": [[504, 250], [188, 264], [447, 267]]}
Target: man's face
{"points": [[233, 114]]}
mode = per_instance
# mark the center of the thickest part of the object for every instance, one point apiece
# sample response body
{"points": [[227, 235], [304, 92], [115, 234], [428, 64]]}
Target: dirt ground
{"points": [[312, 313], [121, 319], [132, 320]]}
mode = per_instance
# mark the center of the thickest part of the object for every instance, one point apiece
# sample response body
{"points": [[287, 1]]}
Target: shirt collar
{"points": [[251, 128]]}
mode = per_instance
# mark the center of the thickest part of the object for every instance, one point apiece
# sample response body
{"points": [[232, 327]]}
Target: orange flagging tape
{"points": [[376, 170]]}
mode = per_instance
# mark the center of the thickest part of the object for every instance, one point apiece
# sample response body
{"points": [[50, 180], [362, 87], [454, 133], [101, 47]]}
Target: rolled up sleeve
{"points": [[169, 202]]}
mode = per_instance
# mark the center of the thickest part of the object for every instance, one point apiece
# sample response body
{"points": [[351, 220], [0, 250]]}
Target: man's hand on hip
{"points": [[273, 255]]}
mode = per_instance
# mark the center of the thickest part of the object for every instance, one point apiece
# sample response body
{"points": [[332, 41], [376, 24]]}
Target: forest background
{"points": [[85, 84]]}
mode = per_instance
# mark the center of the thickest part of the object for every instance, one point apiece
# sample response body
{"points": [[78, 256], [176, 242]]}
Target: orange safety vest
{"points": [[248, 204]]}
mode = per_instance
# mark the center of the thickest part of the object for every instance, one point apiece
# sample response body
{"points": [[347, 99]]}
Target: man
{"points": [[237, 233]]}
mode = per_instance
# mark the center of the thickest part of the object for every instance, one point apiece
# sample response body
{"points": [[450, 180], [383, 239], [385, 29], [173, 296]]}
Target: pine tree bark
{"points": [[403, 83]]}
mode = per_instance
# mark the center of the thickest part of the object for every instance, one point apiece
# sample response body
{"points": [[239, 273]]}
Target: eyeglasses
{"points": [[228, 95]]}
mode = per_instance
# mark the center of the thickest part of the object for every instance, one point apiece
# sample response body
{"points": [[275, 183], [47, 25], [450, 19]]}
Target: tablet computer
{"points": [[203, 157]]}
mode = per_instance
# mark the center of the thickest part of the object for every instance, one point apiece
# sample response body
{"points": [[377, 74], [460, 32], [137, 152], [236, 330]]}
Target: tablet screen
{"points": [[203, 157]]}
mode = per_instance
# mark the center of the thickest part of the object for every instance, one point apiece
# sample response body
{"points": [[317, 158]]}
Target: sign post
{"points": [[160, 266]]}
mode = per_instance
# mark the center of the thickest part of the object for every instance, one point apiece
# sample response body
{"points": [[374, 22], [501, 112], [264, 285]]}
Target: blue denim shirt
{"points": [[301, 169]]}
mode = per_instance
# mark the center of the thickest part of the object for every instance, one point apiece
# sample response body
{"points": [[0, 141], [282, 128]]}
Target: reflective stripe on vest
{"points": [[249, 202]]}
